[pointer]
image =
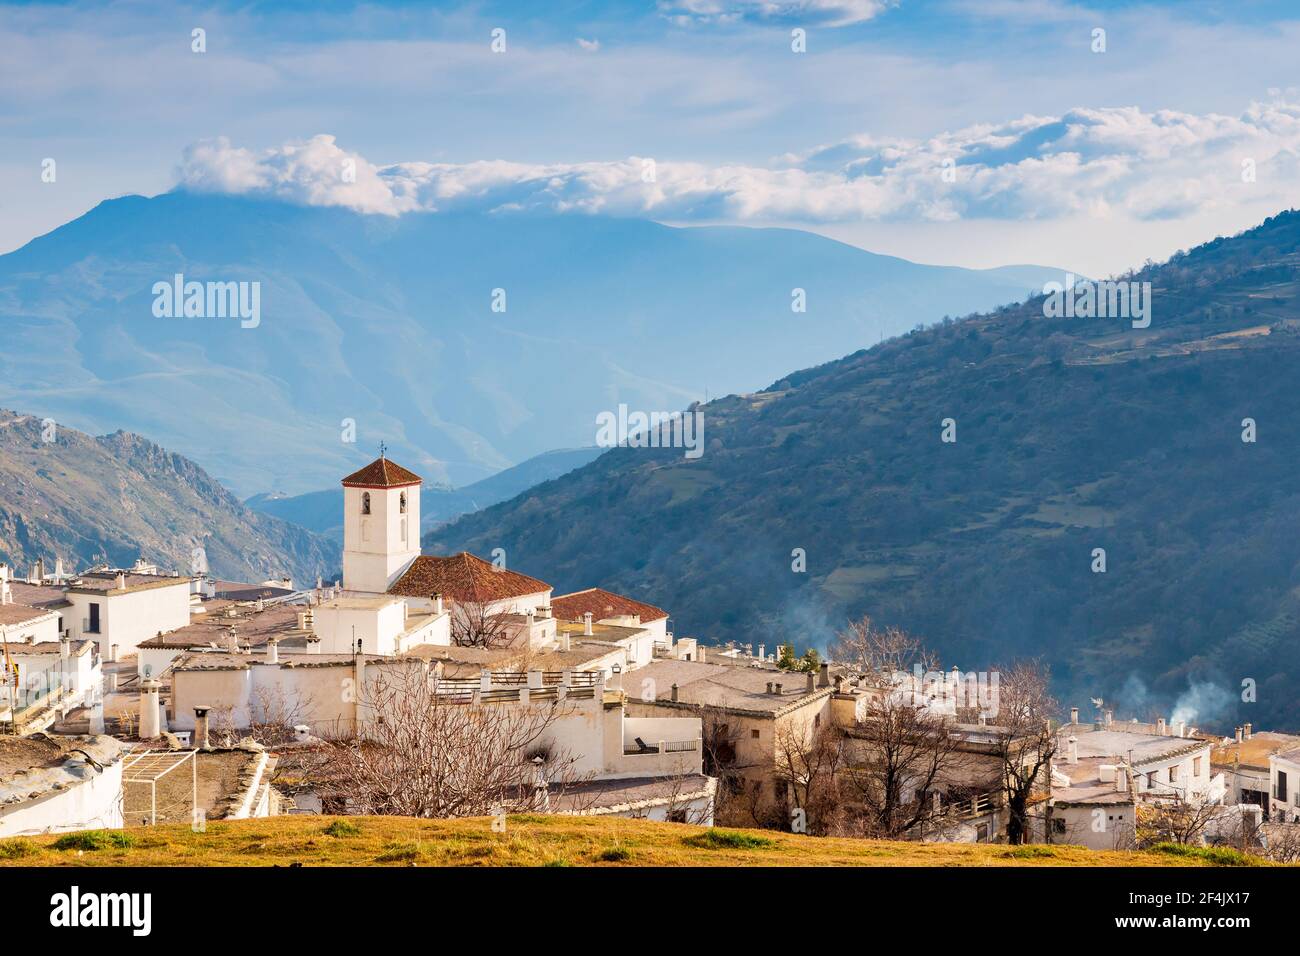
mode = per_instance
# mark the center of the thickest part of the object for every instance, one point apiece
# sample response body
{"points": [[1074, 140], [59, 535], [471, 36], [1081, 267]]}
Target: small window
{"points": [[754, 733], [1196, 766], [1058, 825], [365, 502], [1173, 773], [403, 531], [817, 720], [401, 502]]}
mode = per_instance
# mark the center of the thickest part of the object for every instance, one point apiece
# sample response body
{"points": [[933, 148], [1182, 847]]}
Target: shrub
{"points": [[615, 854], [16, 849], [713, 839], [94, 840], [342, 828]]}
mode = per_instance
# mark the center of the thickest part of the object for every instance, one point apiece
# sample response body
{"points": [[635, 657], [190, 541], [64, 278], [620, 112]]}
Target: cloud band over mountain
{"points": [[1106, 161]]}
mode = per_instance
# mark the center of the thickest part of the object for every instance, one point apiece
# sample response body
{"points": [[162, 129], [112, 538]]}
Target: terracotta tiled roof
{"points": [[602, 604], [382, 473], [464, 577]]}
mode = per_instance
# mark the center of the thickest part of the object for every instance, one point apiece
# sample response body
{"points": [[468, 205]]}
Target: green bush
{"points": [[94, 840], [342, 828], [615, 854], [713, 839], [16, 849]]}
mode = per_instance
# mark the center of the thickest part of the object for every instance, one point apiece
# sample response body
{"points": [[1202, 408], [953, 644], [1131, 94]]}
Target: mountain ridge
{"points": [[1071, 435]]}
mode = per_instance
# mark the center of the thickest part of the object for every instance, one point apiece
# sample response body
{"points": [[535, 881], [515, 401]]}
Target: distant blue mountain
{"points": [[322, 511], [388, 322]]}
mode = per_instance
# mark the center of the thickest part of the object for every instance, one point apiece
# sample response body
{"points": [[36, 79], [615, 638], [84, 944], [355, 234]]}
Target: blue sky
{"points": [[1059, 154]]}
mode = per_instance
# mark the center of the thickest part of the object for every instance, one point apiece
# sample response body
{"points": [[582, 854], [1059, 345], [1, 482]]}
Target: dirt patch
{"points": [[218, 787], [30, 753]]}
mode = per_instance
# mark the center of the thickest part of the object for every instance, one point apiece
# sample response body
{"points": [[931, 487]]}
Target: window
{"points": [[1173, 773], [1196, 766], [401, 503], [365, 502], [1281, 785], [1058, 825], [817, 720], [403, 531], [754, 733], [1151, 780], [93, 626]]}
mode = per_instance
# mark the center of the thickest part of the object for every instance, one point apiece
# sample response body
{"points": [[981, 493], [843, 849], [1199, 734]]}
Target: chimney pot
{"points": [[812, 682], [674, 692], [1239, 734], [1074, 715], [201, 728], [824, 678], [586, 624], [1160, 727], [1249, 731], [1074, 749], [778, 688]]}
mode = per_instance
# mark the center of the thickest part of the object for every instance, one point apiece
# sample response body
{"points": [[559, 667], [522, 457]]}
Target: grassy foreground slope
{"points": [[531, 841]]}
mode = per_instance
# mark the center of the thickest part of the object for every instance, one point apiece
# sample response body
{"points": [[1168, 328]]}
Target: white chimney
{"points": [[65, 647], [1110, 717], [586, 624], [120, 582], [1160, 727], [273, 650], [437, 603], [1239, 734], [150, 722], [762, 652], [564, 641], [1179, 728], [1074, 749], [1074, 715], [1249, 731]]}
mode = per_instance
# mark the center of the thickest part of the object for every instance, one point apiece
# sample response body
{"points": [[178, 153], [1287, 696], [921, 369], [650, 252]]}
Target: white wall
{"points": [[379, 546], [128, 617], [95, 803]]}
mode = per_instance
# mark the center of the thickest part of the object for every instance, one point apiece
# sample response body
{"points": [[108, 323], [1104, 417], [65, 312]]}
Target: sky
{"points": [[965, 132]]}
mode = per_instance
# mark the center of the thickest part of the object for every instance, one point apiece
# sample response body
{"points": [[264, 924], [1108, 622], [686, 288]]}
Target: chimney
{"points": [[1249, 731], [762, 652], [313, 644], [6, 594], [437, 603], [65, 647], [201, 728], [150, 725], [674, 698], [1110, 717], [824, 679], [1121, 779], [1239, 734], [565, 642], [777, 688], [769, 687], [586, 624], [112, 653], [1160, 727], [812, 682], [1073, 741], [120, 581], [1074, 715], [302, 620], [273, 650], [1179, 728]]}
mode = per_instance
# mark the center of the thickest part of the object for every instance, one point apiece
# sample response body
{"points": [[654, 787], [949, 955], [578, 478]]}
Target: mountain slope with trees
{"points": [[1072, 435]]}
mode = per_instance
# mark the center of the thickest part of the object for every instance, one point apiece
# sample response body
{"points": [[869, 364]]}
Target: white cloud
{"points": [[1092, 162], [591, 46], [836, 13]]}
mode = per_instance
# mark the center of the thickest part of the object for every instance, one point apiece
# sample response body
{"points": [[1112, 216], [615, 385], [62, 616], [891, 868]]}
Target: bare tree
{"points": [[429, 755], [904, 756], [810, 761], [474, 624], [877, 653], [275, 714], [1174, 819], [1025, 742]]}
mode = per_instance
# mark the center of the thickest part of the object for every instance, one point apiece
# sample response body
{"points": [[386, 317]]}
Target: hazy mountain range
{"points": [[1072, 435], [118, 497], [374, 328], [322, 511]]}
